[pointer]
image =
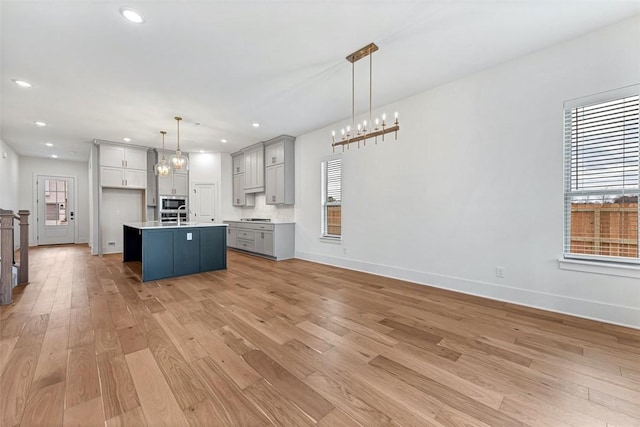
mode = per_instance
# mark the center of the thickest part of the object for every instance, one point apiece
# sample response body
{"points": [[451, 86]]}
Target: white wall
{"points": [[30, 167], [205, 168], [475, 181], [9, 177]]}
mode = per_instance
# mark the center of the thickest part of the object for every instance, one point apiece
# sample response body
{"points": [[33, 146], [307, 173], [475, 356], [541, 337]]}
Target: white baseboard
{"points": [[593, 310]]}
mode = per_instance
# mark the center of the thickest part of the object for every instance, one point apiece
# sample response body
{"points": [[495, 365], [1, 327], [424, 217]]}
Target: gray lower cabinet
{"points": [[273, 240], [264, 242]]}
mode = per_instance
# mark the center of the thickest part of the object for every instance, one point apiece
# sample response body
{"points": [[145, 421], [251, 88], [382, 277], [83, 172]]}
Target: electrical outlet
{"points": [[344, 251], [500, 272]]}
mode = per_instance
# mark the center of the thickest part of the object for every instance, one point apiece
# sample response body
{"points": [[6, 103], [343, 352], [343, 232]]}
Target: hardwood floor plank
{"points": [[278, 409], [234, 340], [441, 391], [15, 383], [83, 383], [6, 347], [399, 401], [186, 386], [184, 341], [80, 327], [228, 405], [627, 406], [52, 363], [33, 331], [131, 339], [118, 391], [337, 418], [86, 414], [344, 399], [232, 364], [133, 418], [158, 402], [45, 407], [291, 387]]}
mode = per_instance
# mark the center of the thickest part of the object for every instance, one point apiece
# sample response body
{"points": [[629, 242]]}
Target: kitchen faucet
{"points": [[185, 210]]}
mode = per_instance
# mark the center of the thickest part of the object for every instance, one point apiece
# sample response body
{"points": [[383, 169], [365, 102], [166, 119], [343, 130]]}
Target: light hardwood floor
{"points": [[296, 343]]}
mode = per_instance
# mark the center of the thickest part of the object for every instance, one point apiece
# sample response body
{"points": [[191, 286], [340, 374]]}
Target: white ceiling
{"points": [[226, 64]]}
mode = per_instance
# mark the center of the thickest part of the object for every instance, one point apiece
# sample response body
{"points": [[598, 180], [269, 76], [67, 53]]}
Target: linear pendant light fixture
{"points": [[162, 168], [359, 132], [179, 161]]}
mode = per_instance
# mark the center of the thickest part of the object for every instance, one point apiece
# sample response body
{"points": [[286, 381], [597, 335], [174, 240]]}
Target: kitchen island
{"points": [[168, 249]]}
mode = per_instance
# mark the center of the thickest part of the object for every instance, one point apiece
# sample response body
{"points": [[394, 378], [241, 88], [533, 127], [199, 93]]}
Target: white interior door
{"points": [[56, 212], [203, 202]]}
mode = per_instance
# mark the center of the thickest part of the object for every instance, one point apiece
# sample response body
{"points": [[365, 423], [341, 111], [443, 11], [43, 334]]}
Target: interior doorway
{"points": [[55, 210], [203, 202]]}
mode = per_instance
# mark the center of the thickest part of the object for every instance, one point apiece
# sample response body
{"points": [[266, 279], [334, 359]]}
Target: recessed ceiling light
{"points": [[224, 141], [39, 123], [22, 83], [255, 124], [73, 152], [54, 156], [131, 15], [202, 151], [125, 139], [48, 144]]}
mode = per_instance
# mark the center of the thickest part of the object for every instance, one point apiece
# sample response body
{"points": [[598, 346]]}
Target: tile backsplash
{"points": [[262, 210]]}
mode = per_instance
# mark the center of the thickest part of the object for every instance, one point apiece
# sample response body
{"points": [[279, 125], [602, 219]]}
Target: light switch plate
{"points": [[189, 236]]}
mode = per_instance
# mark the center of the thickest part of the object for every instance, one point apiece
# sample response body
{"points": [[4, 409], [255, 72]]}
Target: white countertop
{"points": [[158, 224], [259, 222]]}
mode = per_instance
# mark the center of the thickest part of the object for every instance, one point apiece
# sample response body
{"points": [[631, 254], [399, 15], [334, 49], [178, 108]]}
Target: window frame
{"points": [[568, 193], [324, 203]]}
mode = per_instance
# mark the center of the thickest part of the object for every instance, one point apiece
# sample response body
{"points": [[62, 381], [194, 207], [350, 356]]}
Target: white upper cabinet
{"points": [[123, 167], [118, 156]]}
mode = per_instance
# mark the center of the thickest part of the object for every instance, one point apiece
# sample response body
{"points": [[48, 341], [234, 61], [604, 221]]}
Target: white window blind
{"points": [[602, 178], [334, 181], [332, 197]]}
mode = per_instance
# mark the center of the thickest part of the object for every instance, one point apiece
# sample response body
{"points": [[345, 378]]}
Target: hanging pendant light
{"points": [[178, 160], [162, 168]]}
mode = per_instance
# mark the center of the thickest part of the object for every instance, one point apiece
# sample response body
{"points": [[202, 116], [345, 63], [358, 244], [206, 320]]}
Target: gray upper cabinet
{"points": [[274, 152], [254, 168], [238, 163], [279, 171], [240, 198], [152, 182], [174, 184]]}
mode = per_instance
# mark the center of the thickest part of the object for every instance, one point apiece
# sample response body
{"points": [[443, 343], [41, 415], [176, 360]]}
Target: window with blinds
{"points": [[601, 177], [332, 197]]}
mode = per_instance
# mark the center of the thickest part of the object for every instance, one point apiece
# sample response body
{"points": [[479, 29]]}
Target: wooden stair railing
{"points": [[7, 253]]}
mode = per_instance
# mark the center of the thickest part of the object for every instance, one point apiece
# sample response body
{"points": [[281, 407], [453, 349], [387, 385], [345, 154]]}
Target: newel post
{"points": [[6, 251], [23, 273]]}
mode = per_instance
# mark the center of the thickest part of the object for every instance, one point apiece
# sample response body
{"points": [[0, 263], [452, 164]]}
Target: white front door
{"points": [[55, 208], [203, 202]]}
